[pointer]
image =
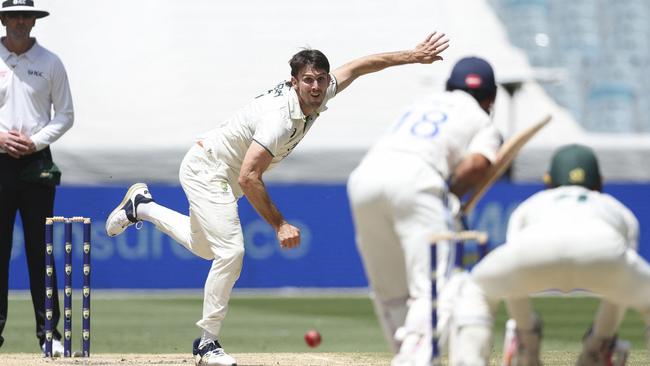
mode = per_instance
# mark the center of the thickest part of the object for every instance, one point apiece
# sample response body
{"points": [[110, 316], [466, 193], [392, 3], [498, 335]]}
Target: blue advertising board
{"points": [[147, 258]]}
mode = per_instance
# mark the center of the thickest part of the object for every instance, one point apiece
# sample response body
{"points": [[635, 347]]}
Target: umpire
{"points": [[33, 81]]}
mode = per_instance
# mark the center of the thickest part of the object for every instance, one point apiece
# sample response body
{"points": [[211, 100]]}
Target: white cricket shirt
{"points": [[567, 204], [31, 84], [442, 129], [273, 119]]}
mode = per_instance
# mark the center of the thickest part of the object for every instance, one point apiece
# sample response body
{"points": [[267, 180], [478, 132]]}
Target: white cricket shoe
{"points": [[126, 213], [57, 348], [211, 354]]}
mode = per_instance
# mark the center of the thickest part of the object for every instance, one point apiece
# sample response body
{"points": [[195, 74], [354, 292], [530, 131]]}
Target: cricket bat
{"points": [[505, 156]]}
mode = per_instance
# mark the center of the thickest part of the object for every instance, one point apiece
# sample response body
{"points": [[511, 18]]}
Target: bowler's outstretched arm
{"points": [[426, 52]]}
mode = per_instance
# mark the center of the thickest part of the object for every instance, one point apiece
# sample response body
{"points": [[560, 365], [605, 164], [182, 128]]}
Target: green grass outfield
{"points": [[163, 323]]}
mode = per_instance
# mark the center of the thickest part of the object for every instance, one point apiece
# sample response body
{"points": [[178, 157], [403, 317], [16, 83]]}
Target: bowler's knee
{"points": [[232, 255]]}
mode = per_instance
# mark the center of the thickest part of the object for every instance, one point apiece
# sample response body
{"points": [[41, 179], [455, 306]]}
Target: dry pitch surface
{"points": [[637, 358], [243, 359]]}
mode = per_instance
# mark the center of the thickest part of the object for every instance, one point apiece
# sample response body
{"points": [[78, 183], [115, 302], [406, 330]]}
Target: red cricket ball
{"points": [[312, 338]]}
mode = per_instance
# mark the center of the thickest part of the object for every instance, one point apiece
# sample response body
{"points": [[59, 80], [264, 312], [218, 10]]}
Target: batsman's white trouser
{"points": [[211, 231], [397, 207]]}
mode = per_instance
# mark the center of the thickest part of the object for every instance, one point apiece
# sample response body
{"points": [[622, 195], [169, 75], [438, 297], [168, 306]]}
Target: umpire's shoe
{"points": [[211, 354], [57, 348], [126, 213]]}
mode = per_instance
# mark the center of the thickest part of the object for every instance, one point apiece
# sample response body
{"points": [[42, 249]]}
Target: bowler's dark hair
{"points": [[306, 57]]}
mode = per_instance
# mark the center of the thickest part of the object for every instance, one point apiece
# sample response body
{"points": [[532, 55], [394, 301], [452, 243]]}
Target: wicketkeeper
{"points": [[570, 236]]}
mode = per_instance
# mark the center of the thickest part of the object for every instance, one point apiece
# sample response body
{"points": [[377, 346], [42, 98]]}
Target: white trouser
{"points": [[561, 256], [397, 207], [212, 231], [567, 256]]}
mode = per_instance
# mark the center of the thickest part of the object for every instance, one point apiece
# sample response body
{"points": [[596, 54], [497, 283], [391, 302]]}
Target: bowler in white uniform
{"points": [[229, 162]]}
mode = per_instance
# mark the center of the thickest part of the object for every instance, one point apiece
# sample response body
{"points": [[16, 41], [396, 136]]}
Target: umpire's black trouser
{"points": [[35, 202]]}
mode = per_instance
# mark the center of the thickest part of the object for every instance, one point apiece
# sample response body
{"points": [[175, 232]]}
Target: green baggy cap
{"points": [[574, 165]]}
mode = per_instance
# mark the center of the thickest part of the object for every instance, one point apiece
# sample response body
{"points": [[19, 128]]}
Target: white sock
{"points": [[143, 211], [207, 337]]}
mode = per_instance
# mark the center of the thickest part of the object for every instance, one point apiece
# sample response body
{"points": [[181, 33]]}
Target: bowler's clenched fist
{"points": [[288, 235]]}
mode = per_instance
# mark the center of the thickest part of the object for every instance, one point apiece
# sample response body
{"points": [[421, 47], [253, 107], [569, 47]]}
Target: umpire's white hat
{"points": [[24, 6]]}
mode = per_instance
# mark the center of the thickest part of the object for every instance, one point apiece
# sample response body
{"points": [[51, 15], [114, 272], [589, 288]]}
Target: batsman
{"points": [[443, 143]]}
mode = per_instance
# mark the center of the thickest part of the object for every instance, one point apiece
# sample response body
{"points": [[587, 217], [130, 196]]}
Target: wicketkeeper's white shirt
{"points": [[31, 84], [567, 204], [273, 119]]}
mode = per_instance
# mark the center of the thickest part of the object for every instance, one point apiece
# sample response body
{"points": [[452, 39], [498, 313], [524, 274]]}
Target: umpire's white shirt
{"points": [[273, 119], [30, 85]]}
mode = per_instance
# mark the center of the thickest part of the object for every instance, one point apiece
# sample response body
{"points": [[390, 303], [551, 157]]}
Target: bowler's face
{"points": [[311, 85]]}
